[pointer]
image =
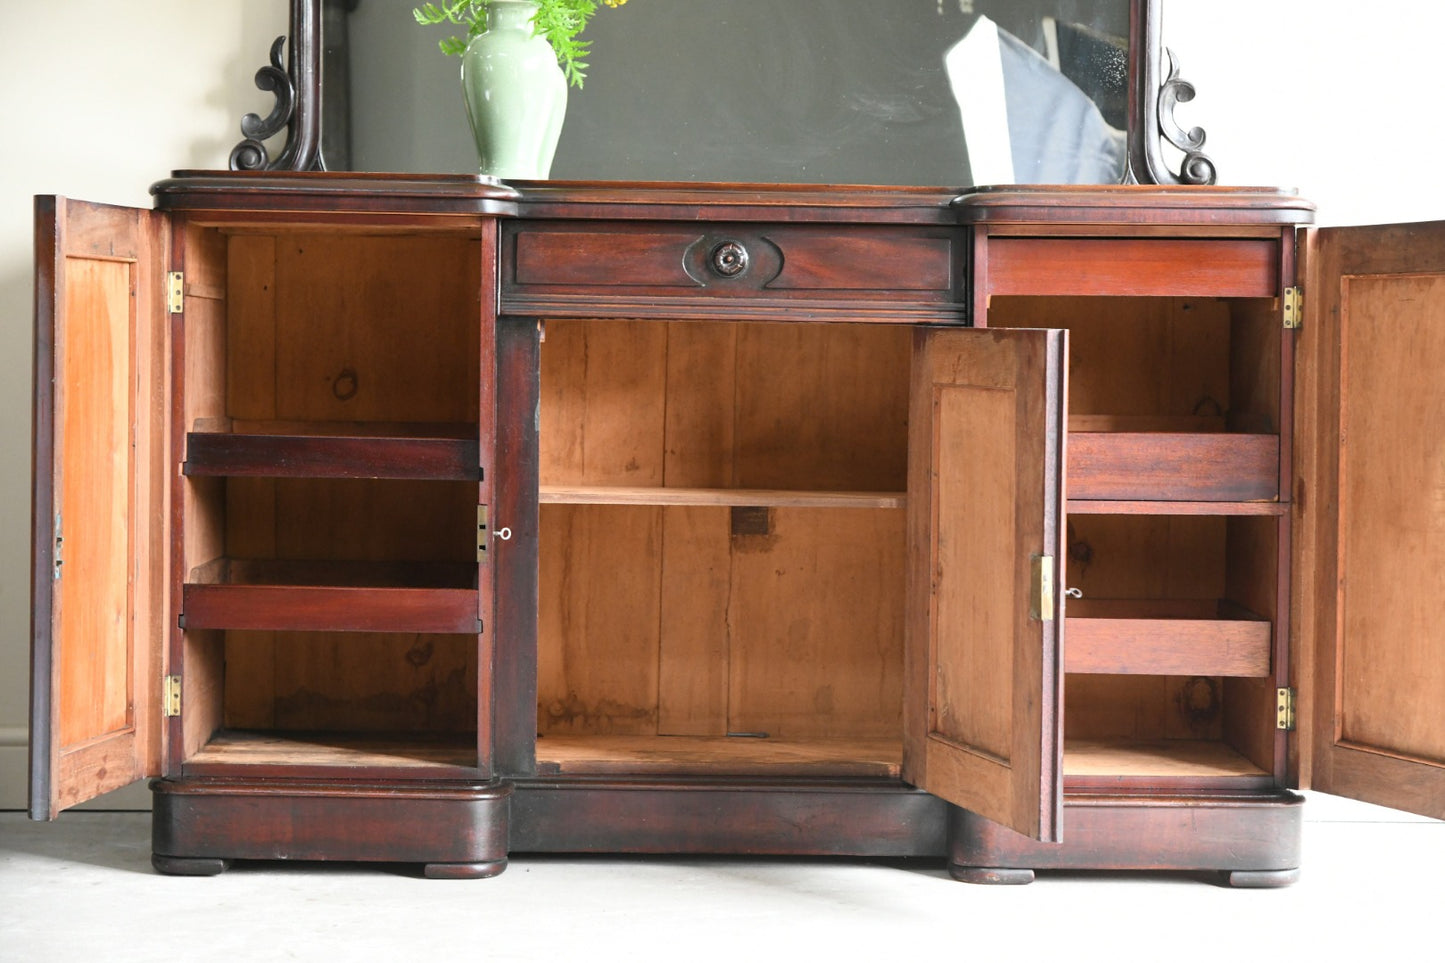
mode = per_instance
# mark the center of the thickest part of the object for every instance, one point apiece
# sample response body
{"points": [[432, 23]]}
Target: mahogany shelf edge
{"points": [[310, 608], [296, 455]]}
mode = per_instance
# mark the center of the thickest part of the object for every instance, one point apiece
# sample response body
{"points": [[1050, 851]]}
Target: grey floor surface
{"points": [[81, 888]]}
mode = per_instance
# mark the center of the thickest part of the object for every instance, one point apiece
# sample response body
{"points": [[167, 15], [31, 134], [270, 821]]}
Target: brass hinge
{"points": [[481, 533], [175, 292], [1284, 709], [171, 704], [1041, 607], [59, 543], [1294, 306]]}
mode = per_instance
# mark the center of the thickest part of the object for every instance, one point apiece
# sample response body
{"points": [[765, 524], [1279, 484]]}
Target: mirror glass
{"points": [[927, 92]]}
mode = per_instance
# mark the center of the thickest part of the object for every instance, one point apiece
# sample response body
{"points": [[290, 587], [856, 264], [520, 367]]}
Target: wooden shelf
{"points": [[1157, 760], [1078, 506], [717, 755], [266, 595], [406, 753], [334, 450], [1172, 466], [737, 497], [1167, 637]]}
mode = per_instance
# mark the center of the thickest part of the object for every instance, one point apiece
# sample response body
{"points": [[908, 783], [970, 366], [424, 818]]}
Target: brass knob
{"points": [[729, 259]]}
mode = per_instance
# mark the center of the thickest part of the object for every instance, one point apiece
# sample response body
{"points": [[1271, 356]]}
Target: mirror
{"points": [[909, 92]]}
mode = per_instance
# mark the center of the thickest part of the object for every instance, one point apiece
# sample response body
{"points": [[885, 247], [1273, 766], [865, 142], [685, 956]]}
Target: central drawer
{"points": [[761, 271]]}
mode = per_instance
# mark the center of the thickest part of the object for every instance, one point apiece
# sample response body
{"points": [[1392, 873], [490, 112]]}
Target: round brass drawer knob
{"points": [[729, 259]]}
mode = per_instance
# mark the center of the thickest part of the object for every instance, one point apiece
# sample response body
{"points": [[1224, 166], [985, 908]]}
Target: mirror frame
{"points": [[305, 84]]}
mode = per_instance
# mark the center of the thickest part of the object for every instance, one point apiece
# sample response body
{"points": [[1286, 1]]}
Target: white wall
{"points": [[1340, 100], [101, 98], [98, 99]]}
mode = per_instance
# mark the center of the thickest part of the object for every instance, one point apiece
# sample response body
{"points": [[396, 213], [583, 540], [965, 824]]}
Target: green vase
{"points": [[516, 94]]}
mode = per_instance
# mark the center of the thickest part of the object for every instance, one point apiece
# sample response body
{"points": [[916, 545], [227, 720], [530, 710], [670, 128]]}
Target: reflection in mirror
{"points": [[937, 92]]}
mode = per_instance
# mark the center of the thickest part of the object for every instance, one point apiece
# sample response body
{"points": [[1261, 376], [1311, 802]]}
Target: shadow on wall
{"points": [[16, 287], [233, 91]]}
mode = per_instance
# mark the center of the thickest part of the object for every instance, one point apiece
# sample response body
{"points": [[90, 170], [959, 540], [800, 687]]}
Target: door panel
{"points": [[985, 504], [1374, 510], [98, 502]]}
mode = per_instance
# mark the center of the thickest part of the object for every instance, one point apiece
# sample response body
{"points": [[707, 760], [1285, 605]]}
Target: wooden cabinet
{"points": [[434, 521], [262, 448]]}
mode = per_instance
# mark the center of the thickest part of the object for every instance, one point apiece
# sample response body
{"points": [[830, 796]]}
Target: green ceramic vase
{"points": [[516, 94]]}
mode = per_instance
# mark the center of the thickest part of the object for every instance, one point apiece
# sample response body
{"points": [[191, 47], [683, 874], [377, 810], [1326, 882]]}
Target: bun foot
{"points": [[464, 870], [1262, 879], [186, 866], [992, 876]]}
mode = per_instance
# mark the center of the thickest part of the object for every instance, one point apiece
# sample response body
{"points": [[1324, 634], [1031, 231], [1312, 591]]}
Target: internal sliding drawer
{"points": [[1173, 466], [1184, 637], [270, 595]]}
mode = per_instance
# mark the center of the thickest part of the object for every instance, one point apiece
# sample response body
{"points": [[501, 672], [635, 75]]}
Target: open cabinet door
{"points": [[1371, 459], [983, 686], [98, 579]]}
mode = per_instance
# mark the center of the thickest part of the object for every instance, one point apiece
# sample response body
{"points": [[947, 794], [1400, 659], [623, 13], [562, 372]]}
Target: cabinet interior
{"points": [[327, 434], [721, 548], [1174, 535], [722, 543], [722, 528]]}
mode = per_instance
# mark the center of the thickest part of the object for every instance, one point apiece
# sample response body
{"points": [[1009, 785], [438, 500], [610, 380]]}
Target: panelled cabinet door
{"points": [[983, 681], [1371, 551], [99, 501]]}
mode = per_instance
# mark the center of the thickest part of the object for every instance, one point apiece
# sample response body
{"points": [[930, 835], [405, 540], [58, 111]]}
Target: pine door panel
{"points": [[97, 631]]}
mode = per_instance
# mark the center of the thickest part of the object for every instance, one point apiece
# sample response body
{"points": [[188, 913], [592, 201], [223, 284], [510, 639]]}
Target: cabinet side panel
{"points": [[1256, 549], [221, 320], [1256, 340]]}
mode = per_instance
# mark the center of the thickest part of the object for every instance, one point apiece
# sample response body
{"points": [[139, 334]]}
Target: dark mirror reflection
{"points": [[936, 92]]}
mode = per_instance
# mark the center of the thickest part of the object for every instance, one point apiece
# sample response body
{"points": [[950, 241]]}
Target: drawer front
{"points": [[1171, 267], [665, 268]]}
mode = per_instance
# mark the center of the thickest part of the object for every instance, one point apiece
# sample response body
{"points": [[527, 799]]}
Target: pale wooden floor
{"points": [[82, 889]]}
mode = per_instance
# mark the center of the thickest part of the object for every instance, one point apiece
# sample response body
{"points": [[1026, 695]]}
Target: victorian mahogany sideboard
{"points": [[427, 520]]}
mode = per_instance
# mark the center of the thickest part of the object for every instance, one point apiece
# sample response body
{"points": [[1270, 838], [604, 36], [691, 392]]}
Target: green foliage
{"points": [[560, 21]]}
